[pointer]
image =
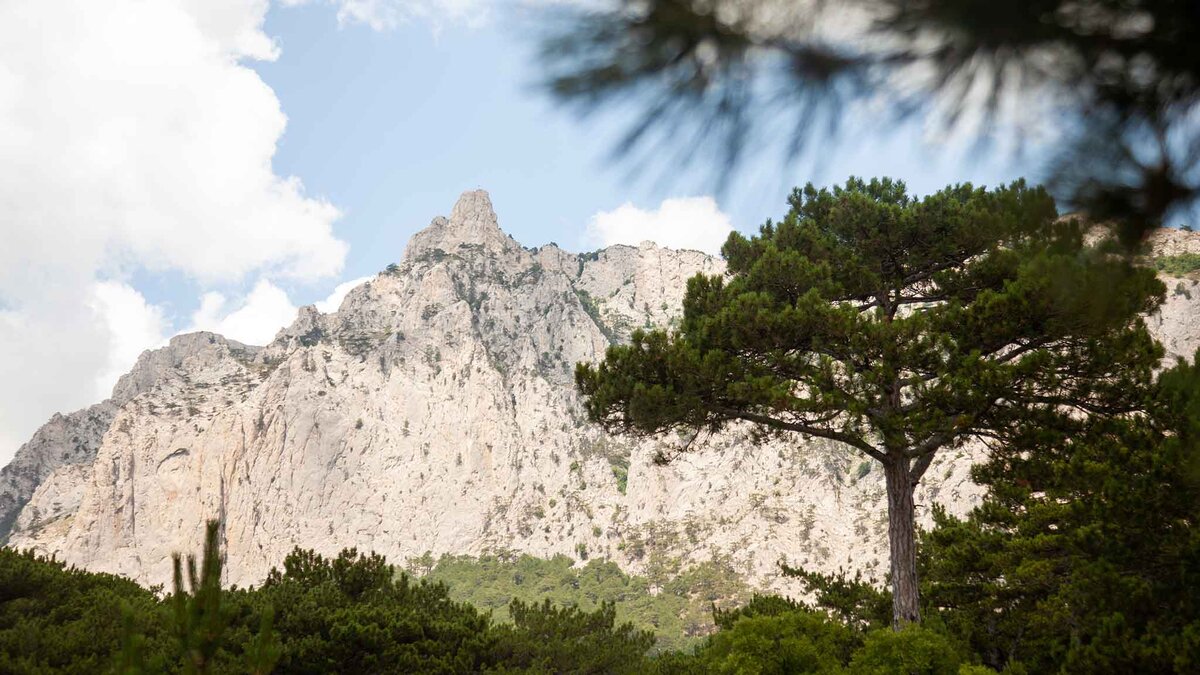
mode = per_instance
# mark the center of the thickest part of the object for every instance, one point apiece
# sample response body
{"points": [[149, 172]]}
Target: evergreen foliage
{"points": [[787, 642], [201, 618], [352, 613], [1178, 265], [1085, 555], [915, 650], [773, 635], [852, 600], [55, 619], [547, 639], [897, 326]]}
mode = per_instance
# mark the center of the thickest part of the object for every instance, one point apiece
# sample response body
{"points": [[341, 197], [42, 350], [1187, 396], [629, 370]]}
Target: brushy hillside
{"points": [[1178, 265], [676, 608]]}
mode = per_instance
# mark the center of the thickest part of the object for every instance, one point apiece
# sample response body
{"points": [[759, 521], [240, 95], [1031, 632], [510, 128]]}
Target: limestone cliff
{"points": [[435, 412]]}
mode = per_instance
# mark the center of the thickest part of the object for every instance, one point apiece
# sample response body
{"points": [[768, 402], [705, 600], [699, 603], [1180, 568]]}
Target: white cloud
{"points": [[133, 325], [132, 131], [49, 358], [685, 222], [133, 136], [331, 304], [256, 318]]}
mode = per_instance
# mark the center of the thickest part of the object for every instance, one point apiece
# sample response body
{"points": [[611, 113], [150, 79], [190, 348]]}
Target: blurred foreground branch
{"points": [[1116, 82]]}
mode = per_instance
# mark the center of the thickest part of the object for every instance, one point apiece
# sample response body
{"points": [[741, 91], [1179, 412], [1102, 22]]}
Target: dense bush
{"points": [[915, 650], [547, 639], [789, 642], [350, 614], [63, 620], [774, 635]]}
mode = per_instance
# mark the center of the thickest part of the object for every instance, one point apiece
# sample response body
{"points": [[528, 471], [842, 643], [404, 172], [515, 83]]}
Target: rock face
{"points": [[65, 441], [1177, 322], [73, 440], [435, 412], [1172, 241]]}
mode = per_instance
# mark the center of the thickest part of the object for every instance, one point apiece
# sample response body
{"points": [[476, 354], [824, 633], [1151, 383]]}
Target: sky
{"points": [[215, 164]]}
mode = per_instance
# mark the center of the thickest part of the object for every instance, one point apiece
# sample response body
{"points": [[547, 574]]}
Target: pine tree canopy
{"points": [[893, 324], [1084, 554], [898, 326]]}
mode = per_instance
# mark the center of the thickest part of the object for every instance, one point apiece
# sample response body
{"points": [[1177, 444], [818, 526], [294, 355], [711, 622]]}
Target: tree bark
{"points": [[902, 539]]}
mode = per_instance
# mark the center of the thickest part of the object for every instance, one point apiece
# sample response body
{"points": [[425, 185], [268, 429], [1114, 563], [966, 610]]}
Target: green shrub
{"points": [[547, 639], [55, 619], [789, 642], [1178, 265], [915, 650]]}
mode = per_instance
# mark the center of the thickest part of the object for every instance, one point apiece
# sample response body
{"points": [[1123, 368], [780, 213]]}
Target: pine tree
{"points": [[1084, 555], [202, 617], [897, 326]]}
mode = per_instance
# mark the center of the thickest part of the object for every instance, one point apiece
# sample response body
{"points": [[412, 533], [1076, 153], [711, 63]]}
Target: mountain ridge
{"points": [[435, 412]]}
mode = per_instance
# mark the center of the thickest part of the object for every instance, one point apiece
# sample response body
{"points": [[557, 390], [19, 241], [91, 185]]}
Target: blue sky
{"points": [[391, 126], [184, 165]]}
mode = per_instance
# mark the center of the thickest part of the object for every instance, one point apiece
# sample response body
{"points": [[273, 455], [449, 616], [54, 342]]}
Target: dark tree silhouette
{"points": [[1123, 77]]}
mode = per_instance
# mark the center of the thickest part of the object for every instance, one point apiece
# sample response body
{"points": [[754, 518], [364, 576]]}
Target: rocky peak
{"points": [[184, 353], [474, 207], [307, 329], [472, 223], [65, 440]]}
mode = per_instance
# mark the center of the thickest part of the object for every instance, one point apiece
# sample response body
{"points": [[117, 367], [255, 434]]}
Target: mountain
{"points": [[435, 412]]}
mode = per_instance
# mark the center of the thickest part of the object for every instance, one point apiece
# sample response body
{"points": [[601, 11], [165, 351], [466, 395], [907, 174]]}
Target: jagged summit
{"points": [[472, 222], [474, 207]]}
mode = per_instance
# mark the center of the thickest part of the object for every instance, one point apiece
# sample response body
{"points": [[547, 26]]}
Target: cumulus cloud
{"points": [[133, 325], [51, 362], [134, 137], [256, 318], [253, 321], [133, 132], [685, 222], [334, 301]]}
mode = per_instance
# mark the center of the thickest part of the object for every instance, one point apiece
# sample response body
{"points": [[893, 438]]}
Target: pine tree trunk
{"points": [[902, 538]]}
